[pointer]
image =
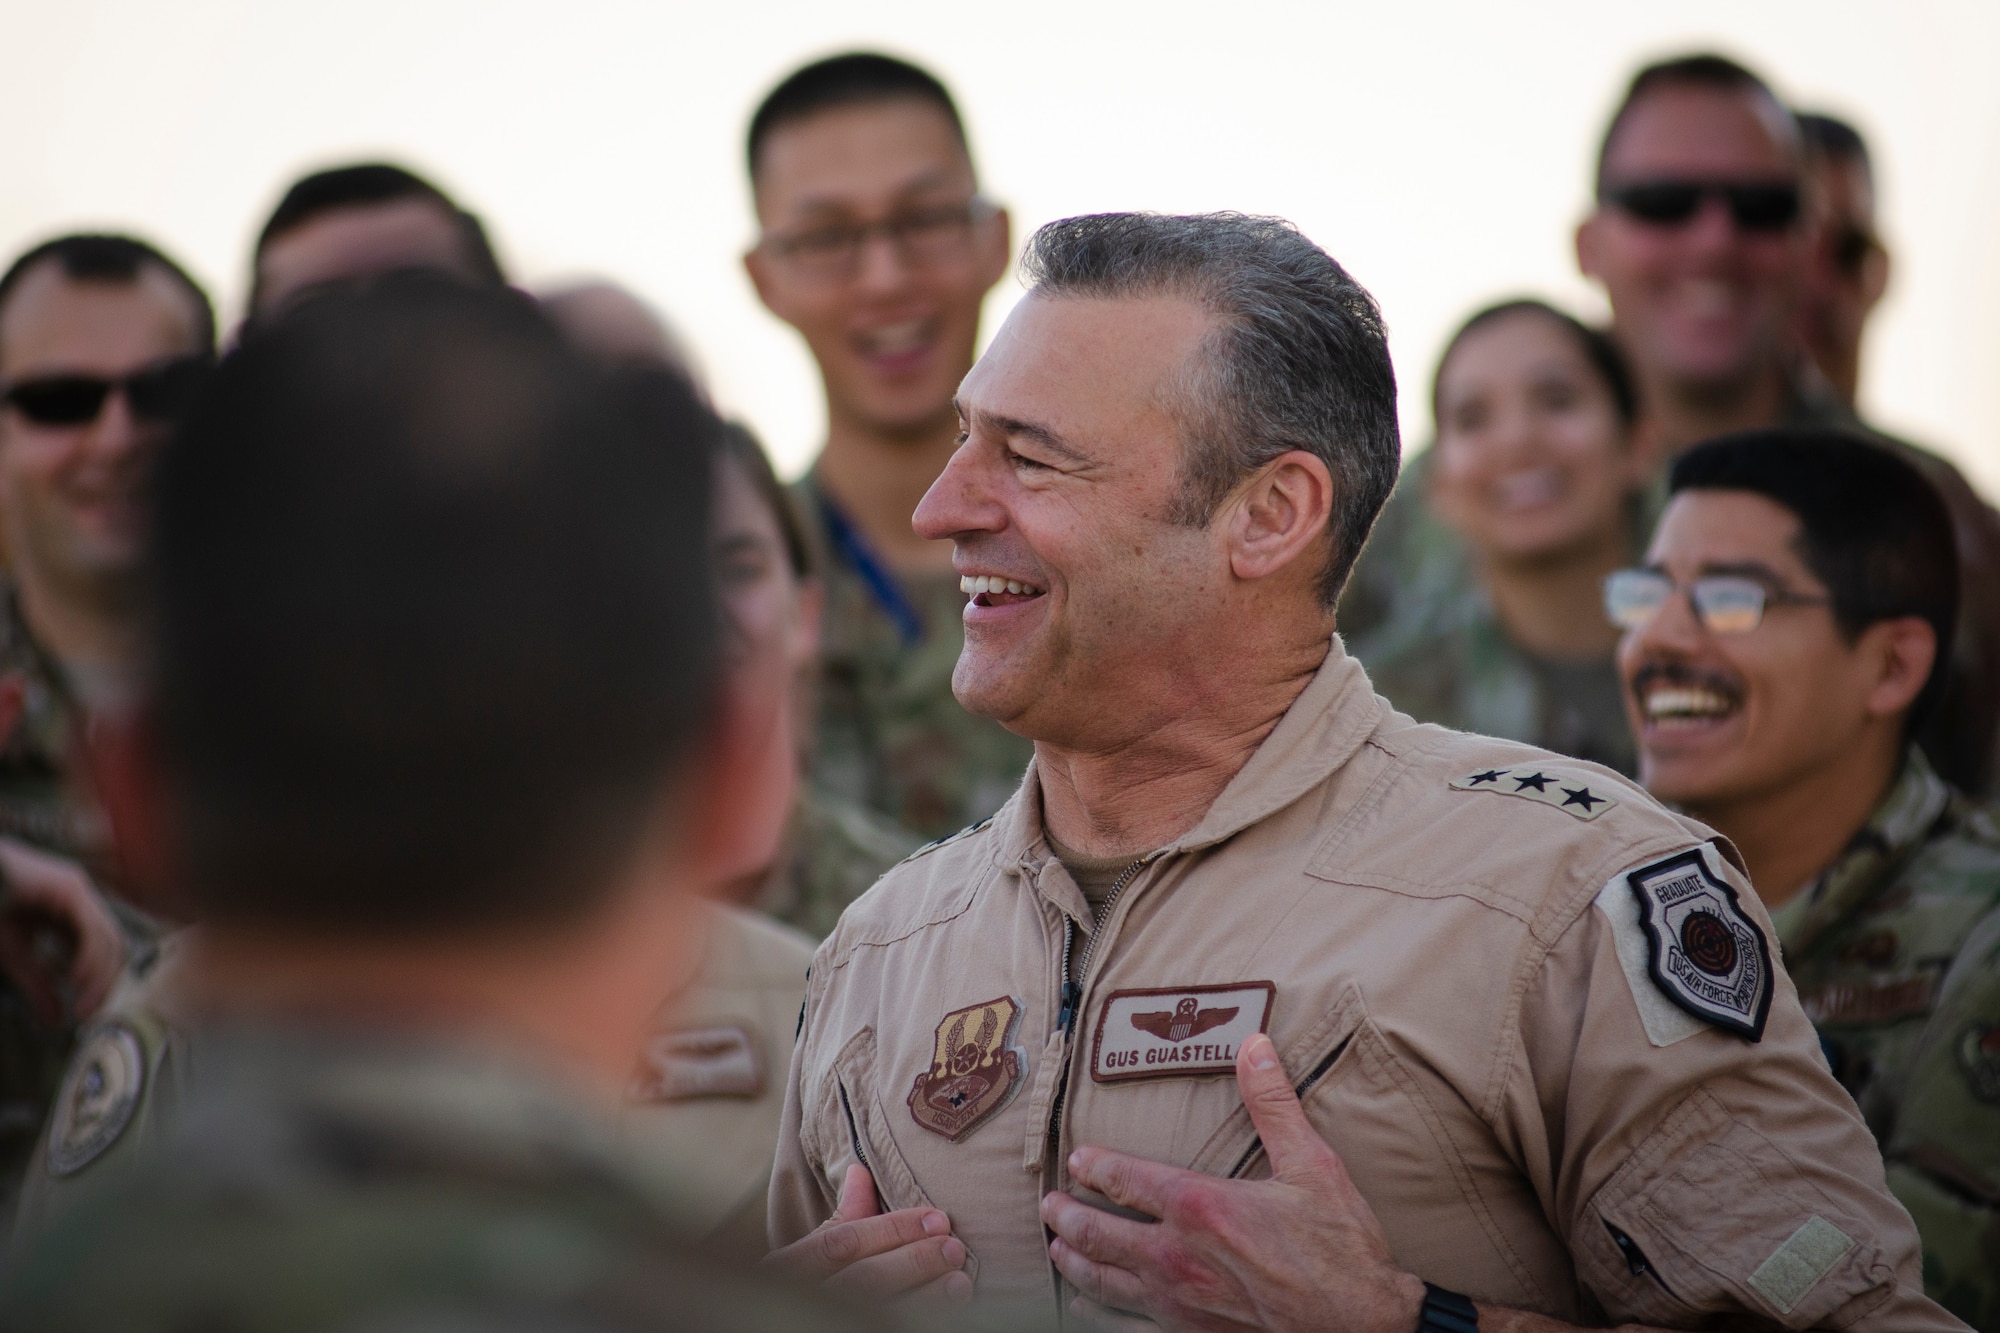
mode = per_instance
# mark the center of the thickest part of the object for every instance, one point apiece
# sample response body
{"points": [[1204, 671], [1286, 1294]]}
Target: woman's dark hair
{"points": [[1598, 349], [738, 445]]}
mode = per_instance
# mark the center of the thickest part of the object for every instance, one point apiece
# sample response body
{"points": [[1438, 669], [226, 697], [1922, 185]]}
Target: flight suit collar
{"points": [[1900, 824], [1336, 712]]}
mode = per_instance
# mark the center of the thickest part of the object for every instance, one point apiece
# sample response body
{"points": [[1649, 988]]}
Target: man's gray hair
{"points": [[1299, 358]]}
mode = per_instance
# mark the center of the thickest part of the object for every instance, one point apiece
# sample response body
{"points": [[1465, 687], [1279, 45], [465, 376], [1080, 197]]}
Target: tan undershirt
{"points": [[1095, 875]]}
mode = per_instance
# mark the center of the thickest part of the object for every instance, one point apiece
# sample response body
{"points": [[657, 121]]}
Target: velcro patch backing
{"points": [[1798, 1265], [1174, 1031], [1564, 788]]}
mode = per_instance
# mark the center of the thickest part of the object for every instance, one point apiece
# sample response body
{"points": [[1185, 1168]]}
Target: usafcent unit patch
{"points": [[1704, 953], [97, 1099], [973, 1071]]}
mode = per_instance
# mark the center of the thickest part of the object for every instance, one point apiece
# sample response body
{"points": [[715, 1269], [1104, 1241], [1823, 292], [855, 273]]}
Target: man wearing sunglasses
{"points": [[1850, 266], [877, 246], [1703, 238], [103, 341], [1781, 643]]}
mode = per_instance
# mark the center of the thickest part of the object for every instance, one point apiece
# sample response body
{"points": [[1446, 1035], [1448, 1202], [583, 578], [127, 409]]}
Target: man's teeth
{"points": [[1686, 702], [1708, 297], [892, 338], [976, 584]]}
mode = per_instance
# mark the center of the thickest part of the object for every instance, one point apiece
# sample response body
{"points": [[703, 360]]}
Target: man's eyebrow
{"points": [[1749, 569], [840, 204], [1043, 435]]}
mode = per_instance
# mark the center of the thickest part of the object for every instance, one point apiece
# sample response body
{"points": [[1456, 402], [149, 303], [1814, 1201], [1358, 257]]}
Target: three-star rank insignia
{"points": [[97, 1099], [1703, 952], [973, 1071], [1566, 789]]}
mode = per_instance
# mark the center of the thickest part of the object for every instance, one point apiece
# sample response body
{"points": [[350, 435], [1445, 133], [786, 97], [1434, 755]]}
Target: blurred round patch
{"points": [[1978, 1052], [98, 1096]]}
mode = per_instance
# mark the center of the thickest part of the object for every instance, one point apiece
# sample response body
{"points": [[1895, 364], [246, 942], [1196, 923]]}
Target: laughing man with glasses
{"points": [[1781, 643], [103, 341]]}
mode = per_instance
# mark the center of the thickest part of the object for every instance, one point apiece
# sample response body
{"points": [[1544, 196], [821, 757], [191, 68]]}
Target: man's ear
{"points": [[123, 764], [1586, 246], [758, 266], [998, 250], [1901, 653], [1280, 514]]}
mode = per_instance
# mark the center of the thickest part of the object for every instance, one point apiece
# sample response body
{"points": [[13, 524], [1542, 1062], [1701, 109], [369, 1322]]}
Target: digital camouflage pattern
{"points": [[314, 1182], [1896, 955], [834, 849], [890, 735], [1418, 619], [42, 803]]}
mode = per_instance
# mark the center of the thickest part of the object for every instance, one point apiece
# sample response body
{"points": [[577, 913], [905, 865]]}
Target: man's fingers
{"points": [[951, 1289], [1102, 1284], [1096, 1234], [837, 1245], [1290, 1141], [1130, 1182], [905, 1269], [857, 1196]]}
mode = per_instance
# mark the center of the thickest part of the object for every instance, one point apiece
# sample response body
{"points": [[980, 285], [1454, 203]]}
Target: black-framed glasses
{"points": [[1724, 603], [928, 234], [1766, 206], [161, 392]]}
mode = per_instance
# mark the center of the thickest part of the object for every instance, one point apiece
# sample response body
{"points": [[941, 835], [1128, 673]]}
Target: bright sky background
{"points": [[1439, 150]]}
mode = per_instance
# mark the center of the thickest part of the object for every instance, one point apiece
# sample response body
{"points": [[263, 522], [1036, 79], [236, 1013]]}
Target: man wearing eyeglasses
{"points": [[103, 341], [878, 248], [1781, 644]]}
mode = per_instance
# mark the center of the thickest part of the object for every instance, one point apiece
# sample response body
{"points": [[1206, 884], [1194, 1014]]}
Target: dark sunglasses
{"points": [[1771, 206], [162, 392]]}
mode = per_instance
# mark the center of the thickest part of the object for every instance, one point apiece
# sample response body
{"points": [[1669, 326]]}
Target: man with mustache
{"points": [[1783, 644], [1275, 1007]]}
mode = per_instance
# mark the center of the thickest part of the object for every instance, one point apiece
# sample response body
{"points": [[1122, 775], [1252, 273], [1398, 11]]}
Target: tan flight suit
{"points": [[1452, 940], [704, 1104]]}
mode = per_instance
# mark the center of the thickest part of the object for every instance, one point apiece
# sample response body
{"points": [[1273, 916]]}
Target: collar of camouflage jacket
{"points": [[1899, 826], [1330, 720]]}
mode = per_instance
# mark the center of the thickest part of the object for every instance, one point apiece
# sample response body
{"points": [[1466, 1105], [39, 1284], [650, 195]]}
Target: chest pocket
{"points": [[854, 1128]]}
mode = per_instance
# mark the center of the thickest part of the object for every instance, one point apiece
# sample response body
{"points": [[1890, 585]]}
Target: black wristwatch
{"points": [[1446, 1312]]}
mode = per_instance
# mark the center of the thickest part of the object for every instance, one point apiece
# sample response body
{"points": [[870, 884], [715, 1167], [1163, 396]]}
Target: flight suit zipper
{"points": [[853, 1128]]}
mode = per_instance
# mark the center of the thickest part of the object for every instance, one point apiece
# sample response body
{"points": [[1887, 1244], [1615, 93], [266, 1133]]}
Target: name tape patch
{"points": [[1703, 952], [698, 1062], [1564, 788], [1174, 1031]]}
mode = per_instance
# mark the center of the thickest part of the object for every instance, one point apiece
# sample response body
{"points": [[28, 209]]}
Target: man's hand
{"points": [[59, 943], [878, 1255], [1301, 1250]]}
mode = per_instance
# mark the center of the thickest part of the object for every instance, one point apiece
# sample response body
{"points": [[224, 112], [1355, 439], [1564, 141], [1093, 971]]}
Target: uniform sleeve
{"points": [[1703, 1163], [1944, 1148], [800, 1197]]}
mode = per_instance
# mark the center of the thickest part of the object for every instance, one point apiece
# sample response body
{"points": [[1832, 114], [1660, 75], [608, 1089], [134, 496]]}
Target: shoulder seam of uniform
{"points": [[948, 839]]}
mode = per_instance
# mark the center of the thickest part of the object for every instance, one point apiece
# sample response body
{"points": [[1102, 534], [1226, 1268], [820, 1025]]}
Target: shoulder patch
{"points": [[717, 1061], [1703, 952], [948, 839], [98, 1097], [974, 1070], [1564, 788]]}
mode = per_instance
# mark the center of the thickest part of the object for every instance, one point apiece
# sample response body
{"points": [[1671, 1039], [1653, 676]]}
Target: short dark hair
{"points": [[1700, 70], [740, 446], [1299, 358], [1833, 138], [435, 618], [1595, 344], [846, 80], [360, 186], [111, 258], [1871, 528]]}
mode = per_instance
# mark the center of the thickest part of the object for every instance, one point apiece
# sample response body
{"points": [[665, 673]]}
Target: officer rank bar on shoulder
{"points": [[1176, 1031], [1567, 789]]}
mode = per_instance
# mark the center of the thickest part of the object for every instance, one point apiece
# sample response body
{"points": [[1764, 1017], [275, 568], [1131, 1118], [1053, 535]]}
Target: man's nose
{"points": [[1674, 629], [882, 263], [961, 500], [118, 431], [1713, 226]]}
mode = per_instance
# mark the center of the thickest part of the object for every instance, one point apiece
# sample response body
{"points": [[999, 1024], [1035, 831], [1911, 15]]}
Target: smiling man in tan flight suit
{"points": [[1534, 1014]]}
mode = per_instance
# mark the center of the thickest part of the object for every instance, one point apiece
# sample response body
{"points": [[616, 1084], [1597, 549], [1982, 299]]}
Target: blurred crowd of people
{"points": [[430, 656]]}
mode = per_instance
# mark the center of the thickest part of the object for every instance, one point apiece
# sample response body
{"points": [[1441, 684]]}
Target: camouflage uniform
{"points": [[1419, 620], [1896, 954], [42, 803], [834, 849], [890, 734], [315, 1181]]}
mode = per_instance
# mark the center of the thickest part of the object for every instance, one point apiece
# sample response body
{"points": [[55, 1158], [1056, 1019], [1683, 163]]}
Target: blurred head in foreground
{"points": [[436, 658], [357, 221]]}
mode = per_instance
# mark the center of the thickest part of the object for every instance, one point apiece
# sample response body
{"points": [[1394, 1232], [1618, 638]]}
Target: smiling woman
{"points": [[1530, 498]]}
